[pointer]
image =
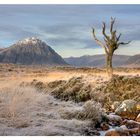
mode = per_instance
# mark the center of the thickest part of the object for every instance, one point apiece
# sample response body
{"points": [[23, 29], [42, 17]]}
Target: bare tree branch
{"points": [[103, 31], [112, 24], [98, 41], [124, 43], [118, 38], [113, 36]]}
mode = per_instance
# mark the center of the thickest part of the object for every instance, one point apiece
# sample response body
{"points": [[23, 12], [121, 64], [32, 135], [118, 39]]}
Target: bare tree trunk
{"points": [[110, 44], [109, 65]]}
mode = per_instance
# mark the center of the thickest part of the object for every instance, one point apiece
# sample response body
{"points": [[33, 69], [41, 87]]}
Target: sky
{"points": [[68, 28]]}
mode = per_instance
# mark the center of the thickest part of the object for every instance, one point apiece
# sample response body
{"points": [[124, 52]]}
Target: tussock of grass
{"points": [[38, 85], [91, 111], [124, 87], [74, 89], [119, 88], [15, 105], [56, 83]]}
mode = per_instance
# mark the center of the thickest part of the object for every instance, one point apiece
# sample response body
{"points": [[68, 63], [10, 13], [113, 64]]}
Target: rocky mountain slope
{"points": [[31, 51]]}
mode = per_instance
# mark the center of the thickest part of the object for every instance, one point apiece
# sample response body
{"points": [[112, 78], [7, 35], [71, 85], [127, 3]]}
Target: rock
{"points": [[133, 127], [128, 109], [129, 128], [90, 132], [138, 118], [135, 131], [115, 105], [112, 132], [118, 131], [104, 126], [123, 130], [123, 127], [114, 119], [131, 124]]}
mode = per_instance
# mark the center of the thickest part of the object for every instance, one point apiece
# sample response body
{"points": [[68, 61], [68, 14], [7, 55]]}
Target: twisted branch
{"points": [[112, 24], [103, 31], [98, 41], [124, 43]]}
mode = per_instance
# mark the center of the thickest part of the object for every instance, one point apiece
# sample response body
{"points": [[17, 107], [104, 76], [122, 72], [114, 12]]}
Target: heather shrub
{"points": [[91, 111], [74, 89], [119, 88]]}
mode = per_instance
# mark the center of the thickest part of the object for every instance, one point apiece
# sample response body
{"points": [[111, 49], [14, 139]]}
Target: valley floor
{"points": [[64, 101]]}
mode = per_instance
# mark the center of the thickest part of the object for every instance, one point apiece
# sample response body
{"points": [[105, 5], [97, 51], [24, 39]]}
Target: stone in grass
{"points": [[127, 110]]}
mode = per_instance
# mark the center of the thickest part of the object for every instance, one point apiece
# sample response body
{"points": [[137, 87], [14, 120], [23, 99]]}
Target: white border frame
{"points": [[69, 2]]}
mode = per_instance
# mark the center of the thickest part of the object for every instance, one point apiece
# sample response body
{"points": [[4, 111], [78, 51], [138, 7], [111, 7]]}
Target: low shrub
{"points": [[91, 111], [74, 89], [119, 88]]}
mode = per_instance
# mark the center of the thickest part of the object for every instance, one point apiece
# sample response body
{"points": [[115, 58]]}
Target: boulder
{"points": [[129, 128], [114, 119], [104, 126], [118, 131], [130, 124], [127, 109], [124, 131], [112, 132], [133, 127], [90, 132], [135, 131], [123, 127]]}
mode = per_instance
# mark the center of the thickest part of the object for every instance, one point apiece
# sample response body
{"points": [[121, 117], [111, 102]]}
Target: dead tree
{"points": [[110, 44]]}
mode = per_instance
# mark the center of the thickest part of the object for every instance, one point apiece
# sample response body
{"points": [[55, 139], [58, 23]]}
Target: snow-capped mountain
{"points": [[31, 51]]}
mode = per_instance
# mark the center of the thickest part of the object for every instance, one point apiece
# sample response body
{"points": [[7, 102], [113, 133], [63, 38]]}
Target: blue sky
{"points": [[67, 28]]}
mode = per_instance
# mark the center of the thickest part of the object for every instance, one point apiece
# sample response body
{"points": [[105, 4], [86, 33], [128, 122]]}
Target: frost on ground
{"points": [[36, 101], [25, 111]]}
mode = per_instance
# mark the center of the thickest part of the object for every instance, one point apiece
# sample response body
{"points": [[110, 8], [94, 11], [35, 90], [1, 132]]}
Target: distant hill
{"points": [[133, 61], [99, 60], [31, 51], [1, 49]]}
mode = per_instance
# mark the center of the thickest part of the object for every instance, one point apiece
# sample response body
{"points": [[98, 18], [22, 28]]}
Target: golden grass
{"points": [[15, 105], [18, 104]]}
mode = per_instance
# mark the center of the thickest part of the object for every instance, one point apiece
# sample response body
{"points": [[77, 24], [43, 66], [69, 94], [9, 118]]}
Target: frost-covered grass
{"points": [[26, 111], [39, 107]]}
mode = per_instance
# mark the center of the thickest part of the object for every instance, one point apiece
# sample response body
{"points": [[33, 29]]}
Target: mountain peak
{"points": [[30, 40], [31, 51]]}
